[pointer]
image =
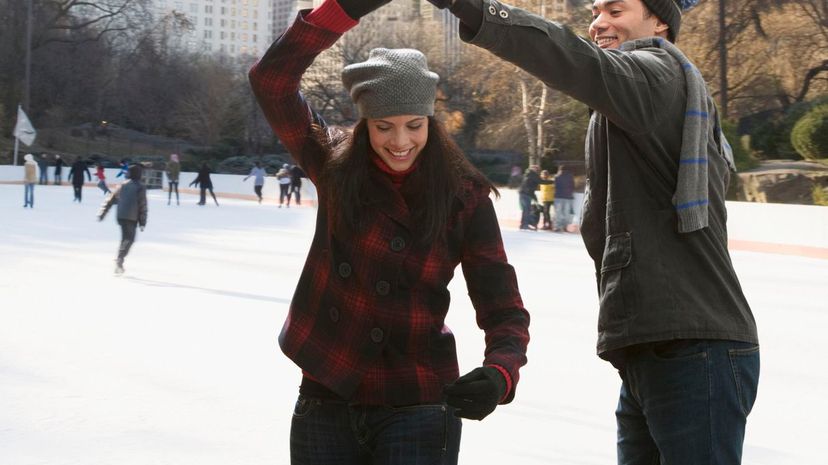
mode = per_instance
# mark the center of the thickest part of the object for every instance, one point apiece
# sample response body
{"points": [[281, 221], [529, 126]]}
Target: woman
{"points": [[283, 176], [29, 179], [547, 188], [204, 183], [101, 175], [259, 174], [173, 171], [399, 208]]}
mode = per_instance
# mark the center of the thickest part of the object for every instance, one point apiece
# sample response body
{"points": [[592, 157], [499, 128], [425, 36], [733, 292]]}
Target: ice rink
{"points": [[177, 363]]}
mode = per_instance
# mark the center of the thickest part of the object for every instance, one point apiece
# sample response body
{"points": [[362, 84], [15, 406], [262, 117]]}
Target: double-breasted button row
{"points": [[377, 335], [383, 287], [344, 269], [397, 244], [502, 13]]}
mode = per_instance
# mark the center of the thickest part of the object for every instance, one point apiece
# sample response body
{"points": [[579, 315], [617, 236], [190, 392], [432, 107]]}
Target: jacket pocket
{"points": [[617, 283]]}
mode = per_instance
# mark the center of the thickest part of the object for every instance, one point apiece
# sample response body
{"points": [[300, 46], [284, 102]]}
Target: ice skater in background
{"points": [[284, 177], [296, 175], [204, 183], [29, 180], [124, 173], [258, 183], [76, 176], [43, 165], [173, 171], [131, 198], [59, 164], [99, 173]]}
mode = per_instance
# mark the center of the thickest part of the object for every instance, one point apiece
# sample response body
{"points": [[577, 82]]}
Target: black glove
{"points": [[476, 394], [441, 3], [356, 9]]}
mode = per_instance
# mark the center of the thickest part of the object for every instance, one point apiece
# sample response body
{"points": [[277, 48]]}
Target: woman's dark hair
{"points": [[430, 190]]}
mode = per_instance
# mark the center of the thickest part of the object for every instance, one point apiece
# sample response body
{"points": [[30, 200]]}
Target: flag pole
{"points": [[16, 147], [28, 86]]}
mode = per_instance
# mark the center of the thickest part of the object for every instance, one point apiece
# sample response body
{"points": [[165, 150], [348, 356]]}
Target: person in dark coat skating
{"points": [[76, 175], [204, 182], [59, 164], [131, 198]]}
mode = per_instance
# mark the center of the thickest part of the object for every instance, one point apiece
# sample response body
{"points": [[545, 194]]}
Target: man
{"points": [[526, 194], [43, 166], [76, 176], [673, 318], [59, 164], [131, 198], [296, 175], [564, 198]]}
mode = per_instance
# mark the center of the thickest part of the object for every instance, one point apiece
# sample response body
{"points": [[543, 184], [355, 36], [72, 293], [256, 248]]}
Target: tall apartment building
{"points": [[247, 27], [234, 27]]}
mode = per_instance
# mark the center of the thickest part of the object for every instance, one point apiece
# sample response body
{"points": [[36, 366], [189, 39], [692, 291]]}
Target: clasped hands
{"points": [[356, 9]]}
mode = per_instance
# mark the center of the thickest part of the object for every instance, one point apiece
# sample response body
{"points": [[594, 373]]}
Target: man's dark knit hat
{"points": [[669, 11], [136, 171]]}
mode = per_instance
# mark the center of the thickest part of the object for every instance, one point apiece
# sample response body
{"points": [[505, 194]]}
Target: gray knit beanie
{"points": [[669, 11], [392, 82]]}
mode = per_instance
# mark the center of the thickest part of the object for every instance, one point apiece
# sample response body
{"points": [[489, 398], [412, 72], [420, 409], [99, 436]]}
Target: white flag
{"points": [[24, 130]]}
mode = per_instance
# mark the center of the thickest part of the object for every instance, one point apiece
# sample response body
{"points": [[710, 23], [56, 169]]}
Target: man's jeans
{"points": [[686, 402], [335, 433], [127, 238], [525, 210], [564, 211]]}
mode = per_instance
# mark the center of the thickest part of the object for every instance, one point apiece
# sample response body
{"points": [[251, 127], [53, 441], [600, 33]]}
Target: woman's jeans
{"points": [[686, 402], [28, 194], [284, 193], [327, 432]]}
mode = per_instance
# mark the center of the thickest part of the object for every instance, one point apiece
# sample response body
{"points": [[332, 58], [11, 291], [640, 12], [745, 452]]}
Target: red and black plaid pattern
{"points": [[367, 317]]}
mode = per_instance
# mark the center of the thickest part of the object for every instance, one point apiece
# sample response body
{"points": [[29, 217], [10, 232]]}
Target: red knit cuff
{"points": [[330, 16], [508, 379]]}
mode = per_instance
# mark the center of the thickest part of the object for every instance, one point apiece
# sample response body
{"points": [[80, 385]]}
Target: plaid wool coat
{"points": [[367, 318]]}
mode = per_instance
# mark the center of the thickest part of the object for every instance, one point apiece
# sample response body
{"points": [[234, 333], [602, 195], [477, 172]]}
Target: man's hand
{"points": [[356, 9], [441, 3], [476, 394], [142, 228]]}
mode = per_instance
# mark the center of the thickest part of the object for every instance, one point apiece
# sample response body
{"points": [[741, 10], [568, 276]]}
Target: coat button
{"points": [[344, 269], [383, 287], [377, 335], [397, 244], [504, 14], [492, 10], [333, 312]]}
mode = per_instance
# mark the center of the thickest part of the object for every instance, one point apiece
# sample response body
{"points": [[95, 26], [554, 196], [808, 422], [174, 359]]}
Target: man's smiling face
{"points": [[617, 21]]}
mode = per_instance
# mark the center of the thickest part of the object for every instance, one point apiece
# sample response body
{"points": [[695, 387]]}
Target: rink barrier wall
{"points": [[800, 230]]}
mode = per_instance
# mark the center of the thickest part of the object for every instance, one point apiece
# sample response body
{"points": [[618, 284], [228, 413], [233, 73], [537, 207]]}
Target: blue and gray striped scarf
{"points": [[700, 120]]}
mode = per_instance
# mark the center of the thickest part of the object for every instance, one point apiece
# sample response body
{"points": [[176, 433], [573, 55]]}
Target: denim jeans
{"points": [[337, 433], [28, 194], [127, 238], [564, 211], [686, 402], [525, 210]]}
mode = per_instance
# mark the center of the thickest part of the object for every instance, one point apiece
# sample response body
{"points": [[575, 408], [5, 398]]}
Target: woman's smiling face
{"points": [[398, 140]]}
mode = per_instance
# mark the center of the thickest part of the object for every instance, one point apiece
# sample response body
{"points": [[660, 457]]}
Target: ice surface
{"points": [[176, 362]]}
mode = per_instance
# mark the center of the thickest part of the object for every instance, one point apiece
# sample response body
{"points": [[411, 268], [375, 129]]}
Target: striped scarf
{"points": [[701, 119]]}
